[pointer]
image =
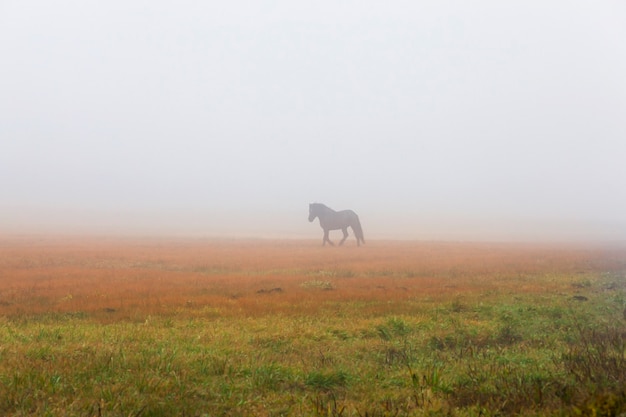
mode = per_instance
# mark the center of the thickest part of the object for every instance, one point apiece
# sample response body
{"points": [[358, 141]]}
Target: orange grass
{"points": [[112, 279]]}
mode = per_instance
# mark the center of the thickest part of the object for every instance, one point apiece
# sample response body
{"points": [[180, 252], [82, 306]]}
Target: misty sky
{"points": [[432, 120]]}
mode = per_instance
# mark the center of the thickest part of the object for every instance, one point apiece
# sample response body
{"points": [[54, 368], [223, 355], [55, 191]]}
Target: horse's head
{"points": [[312, 211]]}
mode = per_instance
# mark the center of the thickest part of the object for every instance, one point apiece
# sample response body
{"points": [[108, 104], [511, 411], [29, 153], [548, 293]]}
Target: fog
{"points": [[480, 120]]}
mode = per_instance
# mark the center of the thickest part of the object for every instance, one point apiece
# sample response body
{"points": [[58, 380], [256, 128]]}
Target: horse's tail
{"points": [[358, 230]]}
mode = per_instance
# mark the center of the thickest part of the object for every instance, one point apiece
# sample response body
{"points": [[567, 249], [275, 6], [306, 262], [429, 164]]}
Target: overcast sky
{"points": [[432, 120]]}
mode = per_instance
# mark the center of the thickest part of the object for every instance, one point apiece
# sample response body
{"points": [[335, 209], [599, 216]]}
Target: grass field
{"points": [[156, 327]]}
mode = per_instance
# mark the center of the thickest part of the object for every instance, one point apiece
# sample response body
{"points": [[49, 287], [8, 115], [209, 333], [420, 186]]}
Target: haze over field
{"points": [[432, 120]]}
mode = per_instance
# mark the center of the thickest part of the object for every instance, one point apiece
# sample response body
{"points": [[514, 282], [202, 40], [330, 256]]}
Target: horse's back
{"points": [[349, 216]]}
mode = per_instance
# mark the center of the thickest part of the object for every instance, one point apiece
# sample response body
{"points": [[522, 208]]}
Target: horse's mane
{"points": [[322, 206]]}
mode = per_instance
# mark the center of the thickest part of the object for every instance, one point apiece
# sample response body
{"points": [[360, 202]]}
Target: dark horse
{"points": [[335, 220]]}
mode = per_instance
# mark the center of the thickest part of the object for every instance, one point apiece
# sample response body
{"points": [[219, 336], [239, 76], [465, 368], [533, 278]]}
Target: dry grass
{"points": [[113, 279]]}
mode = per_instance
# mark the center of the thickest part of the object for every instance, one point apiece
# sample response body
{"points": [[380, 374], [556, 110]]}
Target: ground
{"points": [[121, 326]]}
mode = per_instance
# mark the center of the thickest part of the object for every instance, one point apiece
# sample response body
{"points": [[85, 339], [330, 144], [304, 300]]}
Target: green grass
{"points": [[509, 354]]}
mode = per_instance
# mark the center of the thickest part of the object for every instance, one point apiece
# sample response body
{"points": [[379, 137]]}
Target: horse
{"points": [[335, 220]]}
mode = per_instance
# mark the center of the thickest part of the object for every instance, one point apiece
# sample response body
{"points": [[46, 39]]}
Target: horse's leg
{"points": [[358, 239], [345, 235], [326, 239], [355, 235]]}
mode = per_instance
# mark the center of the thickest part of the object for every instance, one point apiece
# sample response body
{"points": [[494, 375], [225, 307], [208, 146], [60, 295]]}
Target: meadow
{"points": [[201, 327]]}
